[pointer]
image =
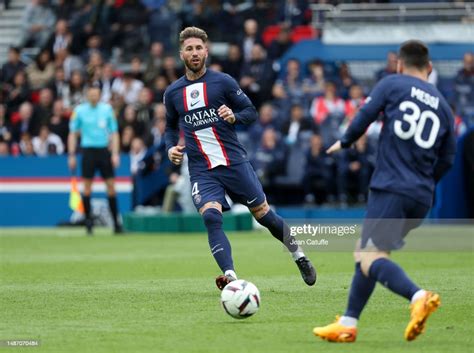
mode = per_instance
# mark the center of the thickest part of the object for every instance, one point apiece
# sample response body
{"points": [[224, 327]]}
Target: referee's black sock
{"points": [[113, 209], [87, 206]]}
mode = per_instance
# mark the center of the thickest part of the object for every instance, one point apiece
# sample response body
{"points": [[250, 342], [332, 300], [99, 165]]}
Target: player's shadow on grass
{"points": [[242, 322]]}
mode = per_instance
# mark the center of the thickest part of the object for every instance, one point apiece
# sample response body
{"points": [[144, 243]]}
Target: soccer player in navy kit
{"points": [[206, 105], [416, 147]]}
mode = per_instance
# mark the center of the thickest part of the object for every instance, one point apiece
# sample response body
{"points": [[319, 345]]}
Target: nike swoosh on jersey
{"points": [[193, 104], [249, 202]]}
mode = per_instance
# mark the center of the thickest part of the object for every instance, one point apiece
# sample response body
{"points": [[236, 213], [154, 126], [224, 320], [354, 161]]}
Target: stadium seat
{"points": [[303, 32], [269, 34]]}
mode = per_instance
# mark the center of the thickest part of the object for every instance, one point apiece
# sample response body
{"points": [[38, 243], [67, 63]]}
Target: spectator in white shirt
{"points": [[47, 143], [127, 87]]}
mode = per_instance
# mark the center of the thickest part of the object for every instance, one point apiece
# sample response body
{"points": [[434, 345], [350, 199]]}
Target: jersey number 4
{"points": [[416, 120], [195, 189]]}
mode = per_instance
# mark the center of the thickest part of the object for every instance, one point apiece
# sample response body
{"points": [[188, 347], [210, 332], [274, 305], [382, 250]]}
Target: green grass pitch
{"points": [[142, 293]]}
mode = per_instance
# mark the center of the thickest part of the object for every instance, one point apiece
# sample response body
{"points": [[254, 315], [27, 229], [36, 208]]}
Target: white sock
{"points": [[418, 295], [298, 254], [230, 273], [348, 321]]}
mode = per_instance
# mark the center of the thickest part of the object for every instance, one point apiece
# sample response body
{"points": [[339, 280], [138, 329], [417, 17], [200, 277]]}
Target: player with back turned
{"points": [[206, 105], [416, 148], [95, 122]]}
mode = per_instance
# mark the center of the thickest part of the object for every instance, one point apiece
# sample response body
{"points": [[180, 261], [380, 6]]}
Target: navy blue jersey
{"points": [[192, 107], [417, 143]]}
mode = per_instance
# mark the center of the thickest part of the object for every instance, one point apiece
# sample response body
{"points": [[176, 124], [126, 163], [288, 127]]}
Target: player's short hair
{"points": [[192, 32], [415, 53]]}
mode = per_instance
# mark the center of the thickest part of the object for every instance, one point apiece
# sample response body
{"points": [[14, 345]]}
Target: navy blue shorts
{"points": [[239, 182], [389, 218]]}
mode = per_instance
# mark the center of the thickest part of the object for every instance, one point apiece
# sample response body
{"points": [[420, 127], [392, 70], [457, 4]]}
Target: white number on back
{"points": [[417, 122], [195, 189]]}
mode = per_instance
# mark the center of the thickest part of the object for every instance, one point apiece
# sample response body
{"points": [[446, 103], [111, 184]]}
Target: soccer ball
{"points": [[240, 299]]}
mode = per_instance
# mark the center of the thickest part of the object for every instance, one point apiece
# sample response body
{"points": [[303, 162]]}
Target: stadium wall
{"points": [[35, 191]]}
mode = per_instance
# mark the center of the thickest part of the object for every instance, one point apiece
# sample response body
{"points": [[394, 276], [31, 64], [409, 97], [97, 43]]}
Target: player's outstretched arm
{"points": [[369, 112]]}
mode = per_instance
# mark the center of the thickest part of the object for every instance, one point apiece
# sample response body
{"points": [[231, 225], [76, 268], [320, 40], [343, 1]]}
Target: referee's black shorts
{"points": [[97, 159]]}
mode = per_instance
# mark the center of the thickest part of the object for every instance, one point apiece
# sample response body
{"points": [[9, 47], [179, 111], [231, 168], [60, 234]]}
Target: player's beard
{"points": [[195, 67]]}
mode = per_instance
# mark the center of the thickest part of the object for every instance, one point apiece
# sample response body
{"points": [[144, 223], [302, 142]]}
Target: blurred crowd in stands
{"points": [[129, 48]]}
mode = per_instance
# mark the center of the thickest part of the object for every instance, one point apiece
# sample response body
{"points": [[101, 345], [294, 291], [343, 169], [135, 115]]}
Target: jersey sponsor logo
{"points": [[239, 92], [201, 118], [195, 96]]}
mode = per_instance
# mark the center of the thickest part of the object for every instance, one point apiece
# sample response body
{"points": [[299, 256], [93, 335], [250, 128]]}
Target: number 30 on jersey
{"points": [[416, 120]]}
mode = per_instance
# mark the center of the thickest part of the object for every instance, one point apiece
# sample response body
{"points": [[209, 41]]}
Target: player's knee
{"points": [[212, 218], [368, 257], [261, 210]]}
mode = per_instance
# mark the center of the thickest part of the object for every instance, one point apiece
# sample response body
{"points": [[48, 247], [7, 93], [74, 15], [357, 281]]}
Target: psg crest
{"points": [[194, 94]]}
